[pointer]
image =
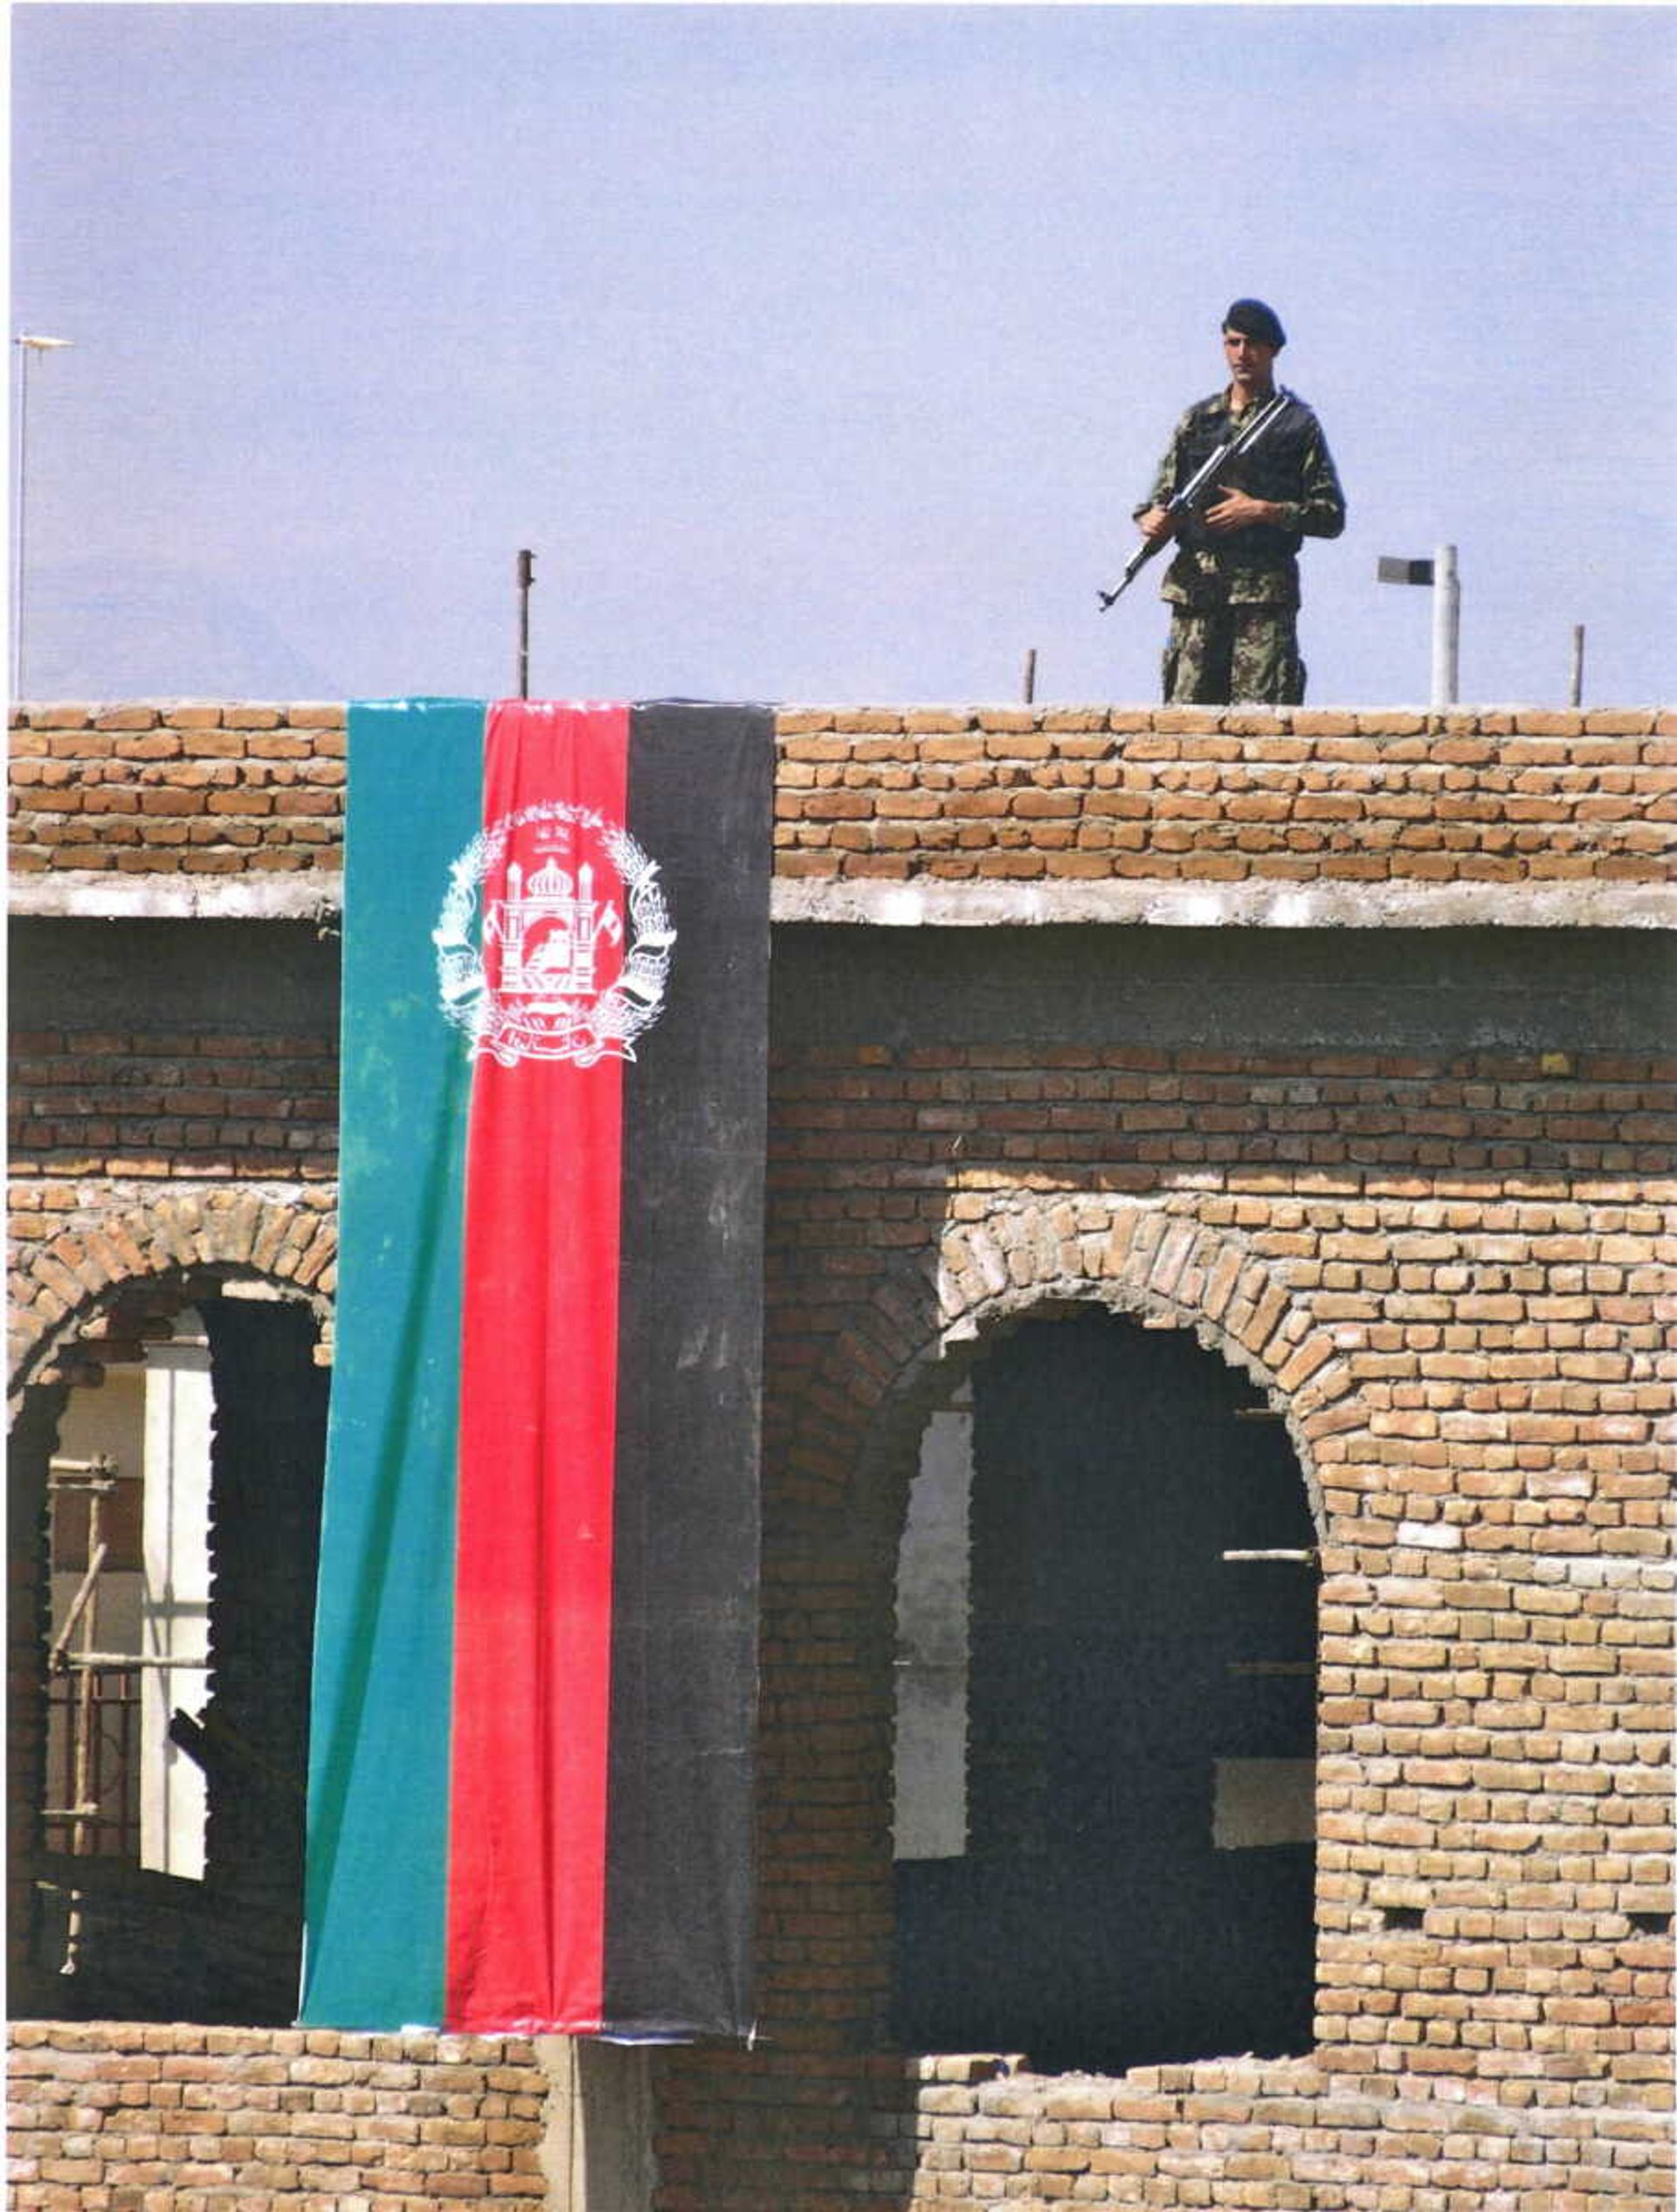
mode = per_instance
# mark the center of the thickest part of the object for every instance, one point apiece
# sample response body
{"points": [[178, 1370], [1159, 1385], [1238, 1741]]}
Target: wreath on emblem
{"points": [[605, 1027]]}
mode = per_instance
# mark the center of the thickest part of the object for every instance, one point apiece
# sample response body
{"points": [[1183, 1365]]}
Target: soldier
{"points": [[1233, 586]]}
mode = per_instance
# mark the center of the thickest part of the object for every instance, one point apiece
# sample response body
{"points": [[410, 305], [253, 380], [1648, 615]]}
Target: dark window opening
{"points": [[1105, 1799], [181, 1529]]}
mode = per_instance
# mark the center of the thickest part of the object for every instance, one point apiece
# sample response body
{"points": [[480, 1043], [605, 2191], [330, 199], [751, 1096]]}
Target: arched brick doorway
{"points": [[852, 1454], [108, 1919], [1128, 1877]]}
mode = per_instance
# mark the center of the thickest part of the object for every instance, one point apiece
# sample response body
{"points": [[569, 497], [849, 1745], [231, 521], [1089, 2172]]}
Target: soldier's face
{"points": [[1250, 361]]}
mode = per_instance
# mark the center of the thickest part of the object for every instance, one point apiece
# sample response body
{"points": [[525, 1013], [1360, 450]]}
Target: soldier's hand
{"points": [[1237, 510], [1158, 523]]}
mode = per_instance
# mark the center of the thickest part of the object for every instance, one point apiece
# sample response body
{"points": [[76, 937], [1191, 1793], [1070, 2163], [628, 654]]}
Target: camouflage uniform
{"points": [[1234, 600]]}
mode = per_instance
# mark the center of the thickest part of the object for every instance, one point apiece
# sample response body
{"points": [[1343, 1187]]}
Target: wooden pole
{"points": [[81, 1788]]}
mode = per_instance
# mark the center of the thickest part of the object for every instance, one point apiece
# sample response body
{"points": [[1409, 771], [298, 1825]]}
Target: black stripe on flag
{"points": [[680, 1887]]}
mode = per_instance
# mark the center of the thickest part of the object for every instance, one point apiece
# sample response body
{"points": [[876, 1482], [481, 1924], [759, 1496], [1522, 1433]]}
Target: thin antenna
{"points": [[525, 577], [28, 344]]}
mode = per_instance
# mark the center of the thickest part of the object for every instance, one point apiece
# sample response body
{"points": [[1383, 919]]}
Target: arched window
{"points": [[176, 1511], [128, 1532], [1105, 1710]]}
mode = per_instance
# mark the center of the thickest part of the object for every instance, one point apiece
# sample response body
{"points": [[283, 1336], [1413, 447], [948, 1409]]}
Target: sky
{"points": [[821, 353]]}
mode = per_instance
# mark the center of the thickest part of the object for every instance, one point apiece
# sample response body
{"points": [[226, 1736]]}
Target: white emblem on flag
{"points": [[571, 960]]}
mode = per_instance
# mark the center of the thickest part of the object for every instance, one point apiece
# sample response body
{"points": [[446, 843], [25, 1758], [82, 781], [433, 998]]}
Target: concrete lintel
{"points": [[299, 896], [1247, 905]]}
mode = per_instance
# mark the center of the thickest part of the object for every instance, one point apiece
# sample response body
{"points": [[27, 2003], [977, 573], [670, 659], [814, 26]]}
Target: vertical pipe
{"points": [[1446, 626], [526, 574], [1576, 693], [1031, 677]]}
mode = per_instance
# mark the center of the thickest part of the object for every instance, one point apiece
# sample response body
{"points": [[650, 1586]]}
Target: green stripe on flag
{"points": [[379, 1749]]}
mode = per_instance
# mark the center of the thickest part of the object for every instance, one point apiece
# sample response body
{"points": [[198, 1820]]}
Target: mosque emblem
{"points": [[555, 941]]}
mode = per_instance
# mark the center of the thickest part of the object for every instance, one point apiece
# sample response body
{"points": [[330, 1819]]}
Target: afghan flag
{"points": [[530, 1795]]}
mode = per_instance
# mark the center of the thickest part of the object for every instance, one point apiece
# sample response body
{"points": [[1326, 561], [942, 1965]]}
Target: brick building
{"points": [[1216, 1718]]}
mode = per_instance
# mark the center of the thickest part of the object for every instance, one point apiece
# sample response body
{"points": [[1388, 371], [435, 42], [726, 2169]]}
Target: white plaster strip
{"points": [[1247, 905], [301, 895], [308, 896]]}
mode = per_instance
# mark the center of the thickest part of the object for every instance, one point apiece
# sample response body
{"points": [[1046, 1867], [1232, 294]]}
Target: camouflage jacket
{"points": [[1258, 566]]}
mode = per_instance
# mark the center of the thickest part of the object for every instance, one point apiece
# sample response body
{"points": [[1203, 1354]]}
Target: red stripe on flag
{"points": [[538, 1402]]}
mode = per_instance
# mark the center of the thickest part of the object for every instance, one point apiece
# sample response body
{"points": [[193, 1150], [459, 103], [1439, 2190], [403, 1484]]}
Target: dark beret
{"points": [[1253, 320]]}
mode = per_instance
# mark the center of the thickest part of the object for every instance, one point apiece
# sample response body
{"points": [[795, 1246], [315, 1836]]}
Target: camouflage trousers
{"points": [[1234, 655]]}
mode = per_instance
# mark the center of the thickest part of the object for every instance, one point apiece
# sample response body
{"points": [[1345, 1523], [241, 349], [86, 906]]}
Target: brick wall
{"points": [[1424, 1205], [1497, 796], [1193, 794], [172, 1100], [141, 1104], [128, 2119], [928, 2134], [177, 791], [1453, 1278]]}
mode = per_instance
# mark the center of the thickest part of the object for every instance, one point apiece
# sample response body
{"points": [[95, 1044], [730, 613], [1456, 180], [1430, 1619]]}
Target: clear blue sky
{"points": [[820, 353]]}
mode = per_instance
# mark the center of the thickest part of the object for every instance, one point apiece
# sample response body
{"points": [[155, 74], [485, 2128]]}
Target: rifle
{"points": [[1204, 478]]}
